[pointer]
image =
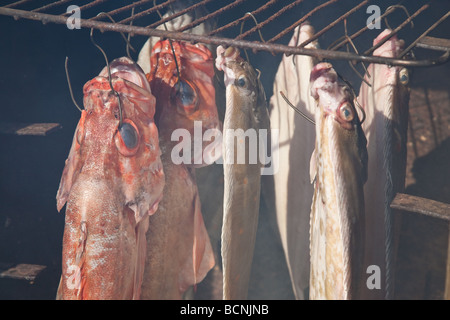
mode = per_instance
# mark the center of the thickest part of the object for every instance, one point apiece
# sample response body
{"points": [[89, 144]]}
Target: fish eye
{"points": [[346, 112], [127, 138], [129, 135], [185, 97], [241, 81], [403, 76]]}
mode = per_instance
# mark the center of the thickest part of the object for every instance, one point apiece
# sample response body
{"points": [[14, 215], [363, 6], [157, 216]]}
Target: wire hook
{"points": [[109, 76], [296, 109], [259, 31], [70, 87], [170, 42], [392, 8]]}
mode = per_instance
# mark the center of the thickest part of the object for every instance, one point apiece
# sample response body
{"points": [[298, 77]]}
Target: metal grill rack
{"points": [[271, 16], [275, 20]]}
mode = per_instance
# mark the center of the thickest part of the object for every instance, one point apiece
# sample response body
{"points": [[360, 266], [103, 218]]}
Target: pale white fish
{"points": [[386, 106], [246, 110], [292, 191], [339, 171]]}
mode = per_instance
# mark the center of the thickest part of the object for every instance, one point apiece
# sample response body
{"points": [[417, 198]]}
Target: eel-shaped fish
{"points": [[339, 171], [112, 181], [246, 113], [179, 249], [386, 106], [292, 191]]}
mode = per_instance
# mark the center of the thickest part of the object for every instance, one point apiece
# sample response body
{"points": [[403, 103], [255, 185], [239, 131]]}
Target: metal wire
{"points": [[145, 8]]}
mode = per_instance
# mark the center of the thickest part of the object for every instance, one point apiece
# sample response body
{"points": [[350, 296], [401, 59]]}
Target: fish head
{"points": [[387, 97], [112, 180], [337, 111], [392, 75], [181, 78], [127, 155], [242, 83]]}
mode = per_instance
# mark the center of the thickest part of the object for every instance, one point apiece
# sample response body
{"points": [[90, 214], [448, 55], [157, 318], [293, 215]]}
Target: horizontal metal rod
{"points": [[444, 17], [396, 30], [146, 12], [254, 45], [428, 207], [179, 13], [301, 20], [433, 43], [243, 18], [270, 19], [331, 25]]}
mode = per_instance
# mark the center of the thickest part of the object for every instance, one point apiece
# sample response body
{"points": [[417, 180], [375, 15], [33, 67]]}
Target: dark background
{"points": [[33, 88]]}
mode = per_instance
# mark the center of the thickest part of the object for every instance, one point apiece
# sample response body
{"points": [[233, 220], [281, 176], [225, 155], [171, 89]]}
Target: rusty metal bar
{"points": [[414, 204], [88, 6], [134, 5], [51, 5], [433, 43], [302, 19], [359, 32], [146, 12], [431, 208], [331, 25], [212, 15], [28, 129], [15, 4], [396, 30], [254, 45], [273, 17], [188, 9], [246, 16], [444, 17]]}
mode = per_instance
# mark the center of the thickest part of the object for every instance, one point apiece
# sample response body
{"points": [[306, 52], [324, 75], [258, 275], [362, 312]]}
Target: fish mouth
{"points": [[127, 69], [323, 69]]}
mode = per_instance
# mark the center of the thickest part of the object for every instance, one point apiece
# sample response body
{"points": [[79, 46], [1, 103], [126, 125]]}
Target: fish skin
{"points": [[386, 107], [291, 191], [174, 24], [110, 189], [246, 108], [196, 67], [179, 250], [339, 173]]}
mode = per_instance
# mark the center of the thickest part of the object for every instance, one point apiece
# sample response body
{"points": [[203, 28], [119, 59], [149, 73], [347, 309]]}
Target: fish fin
{"points": [[141, 243], [312, 167], [203, 260], [70, 169]]}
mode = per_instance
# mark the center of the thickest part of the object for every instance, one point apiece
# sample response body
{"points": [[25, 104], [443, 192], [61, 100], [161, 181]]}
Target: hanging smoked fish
{"points": [[339, 171]]}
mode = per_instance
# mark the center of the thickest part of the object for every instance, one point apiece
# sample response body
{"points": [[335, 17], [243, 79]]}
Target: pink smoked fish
{"points": [[385, 103], [339, 171], [179, 249], [112, 182]]}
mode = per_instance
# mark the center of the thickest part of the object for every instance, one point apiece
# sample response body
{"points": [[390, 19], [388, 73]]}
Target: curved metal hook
{"points": [[127, 41], [349, 40], [109, 76], [259, 31], [392, 8], [70, 86], [354, 98], [296, 109], [170, 42]]}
